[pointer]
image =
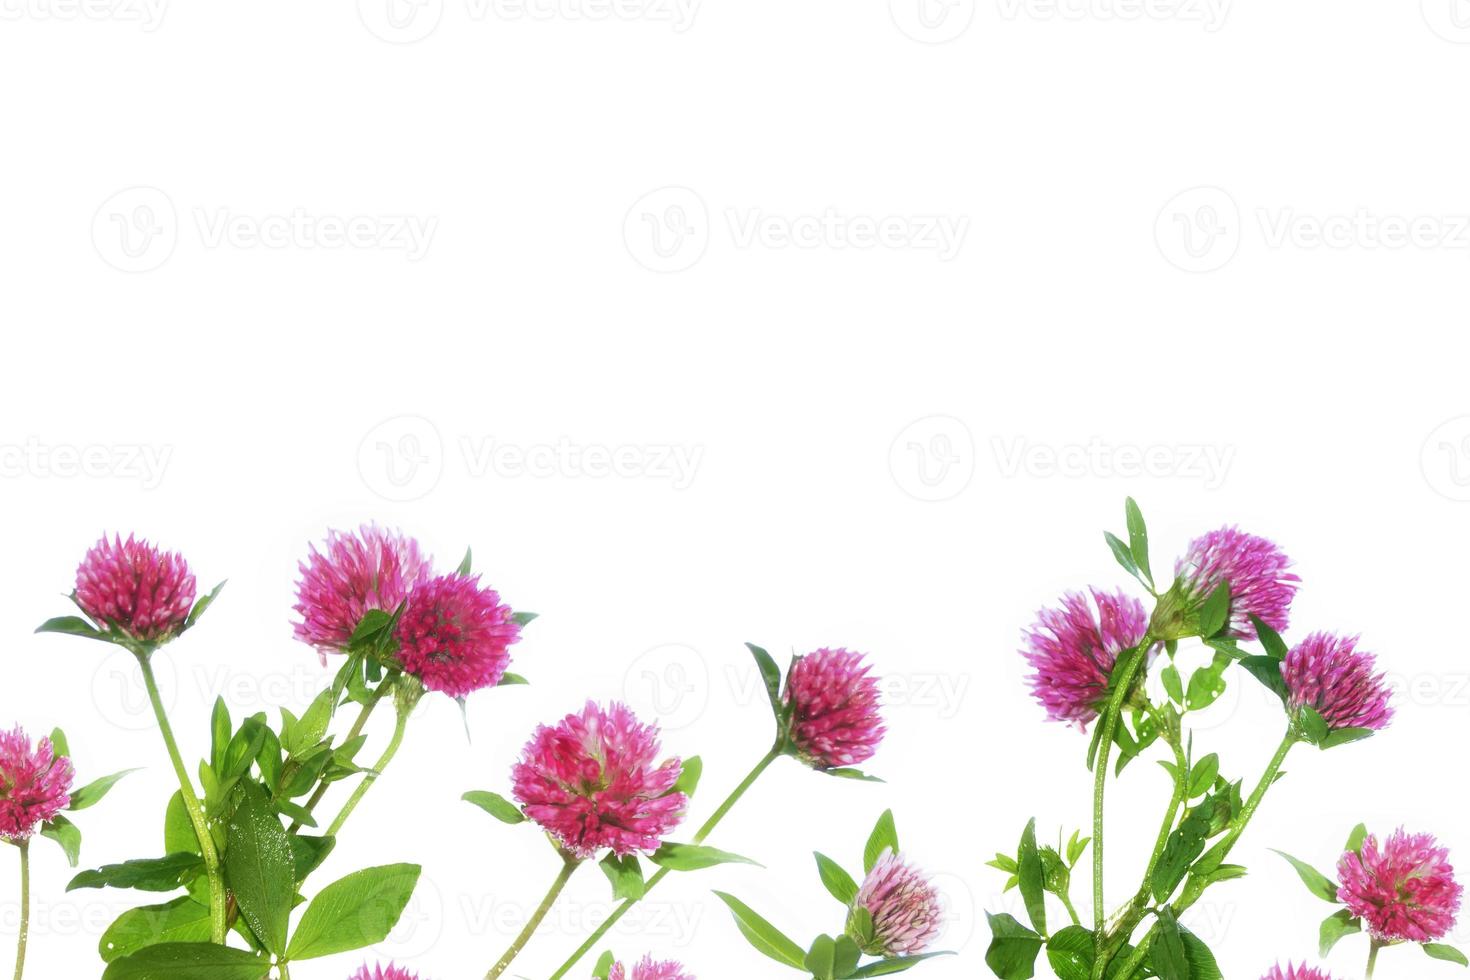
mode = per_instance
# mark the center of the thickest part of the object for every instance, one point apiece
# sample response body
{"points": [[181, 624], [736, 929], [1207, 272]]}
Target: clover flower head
{"points": [[1329, 674], [1256, 570], [35, 785], [389, 972], [649, 969], [835, 711], [352, 574], [1072, 651], [593, 782], [455, 635], [904, 907], [136, 589], [1403, 888], [1290, 972]]}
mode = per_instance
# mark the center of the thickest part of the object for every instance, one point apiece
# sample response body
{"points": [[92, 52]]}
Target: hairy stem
{"points": [[207, 849], [399, 727], [1373, 948], [699, 838], [1196, 887], [1138, 907], [569, 868], [25, 907], [1111, 715]]}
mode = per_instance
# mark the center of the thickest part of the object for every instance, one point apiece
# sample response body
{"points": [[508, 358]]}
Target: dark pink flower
{"points": [[647, 969], [352, 575], [389, 972], [1328, 673], [904, 906], [1073, 650], [593, 782], [1256, 569], [1404, 889], [1302, 972], [35, 785], [835, 718], [455, 636], [136, 589]]}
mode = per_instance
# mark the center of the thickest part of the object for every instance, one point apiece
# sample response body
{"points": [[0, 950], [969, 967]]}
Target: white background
{"points": [[904, 447]]}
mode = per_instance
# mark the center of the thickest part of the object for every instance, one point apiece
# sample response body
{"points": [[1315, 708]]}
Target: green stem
{"points": [[699, 838], [1067, 904], [207, 849], [1196, 887], [1273, 771], [367, 782], [25, 907], [1138, 907], [569, 867], [357, 726], [1111, 714], [284, 971], [1373, 948]]}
